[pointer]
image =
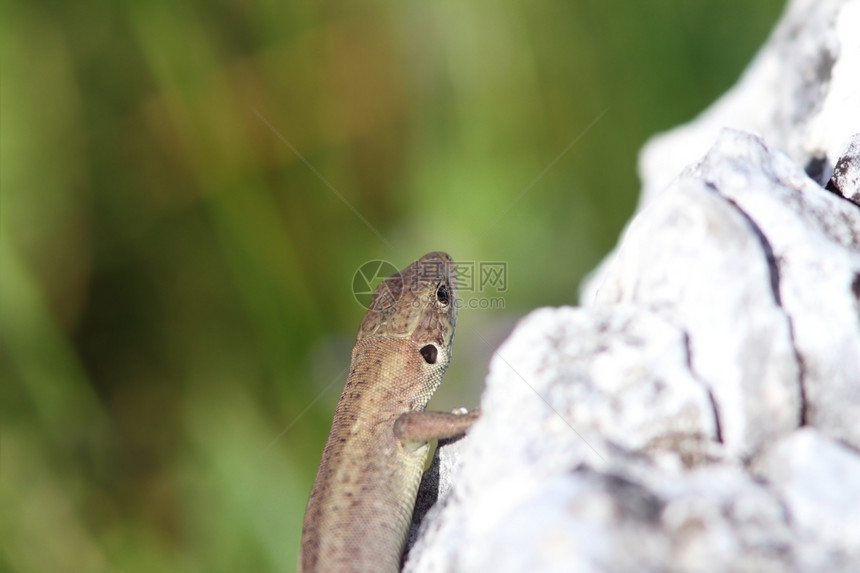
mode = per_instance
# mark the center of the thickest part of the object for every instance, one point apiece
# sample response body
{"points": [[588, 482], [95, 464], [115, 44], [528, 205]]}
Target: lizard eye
{"points": [[430, 353], [442, 295]]}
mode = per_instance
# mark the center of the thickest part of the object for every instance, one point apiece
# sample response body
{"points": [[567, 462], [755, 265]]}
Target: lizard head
{"points": [[418, 303]]}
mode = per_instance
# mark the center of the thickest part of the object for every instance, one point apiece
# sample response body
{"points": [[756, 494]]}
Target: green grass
{"points": [[175, 278]]}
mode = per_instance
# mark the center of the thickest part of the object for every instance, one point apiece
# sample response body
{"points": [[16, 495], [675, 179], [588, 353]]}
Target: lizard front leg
{"points": [[414, 429]]}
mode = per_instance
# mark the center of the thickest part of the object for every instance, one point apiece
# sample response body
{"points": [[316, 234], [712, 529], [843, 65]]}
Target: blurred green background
{"points": [[175, 281]]}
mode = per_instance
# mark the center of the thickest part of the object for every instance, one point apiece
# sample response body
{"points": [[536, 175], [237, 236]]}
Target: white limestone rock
{"points": [[799, 94], [554, 400], [719, 518], [693, 257], [818, 480], [846, 174], [699, 413], [541, 488], [813, 240]]}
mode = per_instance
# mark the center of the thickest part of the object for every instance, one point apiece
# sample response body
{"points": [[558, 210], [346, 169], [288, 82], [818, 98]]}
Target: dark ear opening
{"points": [[430, 353]]}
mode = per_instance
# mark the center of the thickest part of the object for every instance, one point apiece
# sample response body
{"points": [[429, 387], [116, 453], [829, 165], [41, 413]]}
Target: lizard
{"points": [[361, 503]]}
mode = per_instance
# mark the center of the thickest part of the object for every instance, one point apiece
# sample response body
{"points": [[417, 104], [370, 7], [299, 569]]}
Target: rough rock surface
{"points": [[799, 93], [701, 411], [846, 174]]}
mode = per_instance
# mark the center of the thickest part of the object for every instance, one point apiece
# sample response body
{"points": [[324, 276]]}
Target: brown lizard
{"points": [[361, 503]]}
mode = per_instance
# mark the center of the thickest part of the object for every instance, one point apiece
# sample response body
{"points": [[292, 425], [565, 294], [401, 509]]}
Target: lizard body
{"points": [[361, 503]]}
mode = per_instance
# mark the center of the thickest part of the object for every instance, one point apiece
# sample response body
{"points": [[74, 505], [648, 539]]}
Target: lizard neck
{"points": [[389, 375]]}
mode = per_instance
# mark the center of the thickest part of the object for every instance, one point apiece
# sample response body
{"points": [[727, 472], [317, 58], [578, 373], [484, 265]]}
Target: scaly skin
{"points": [[361, 504]]}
